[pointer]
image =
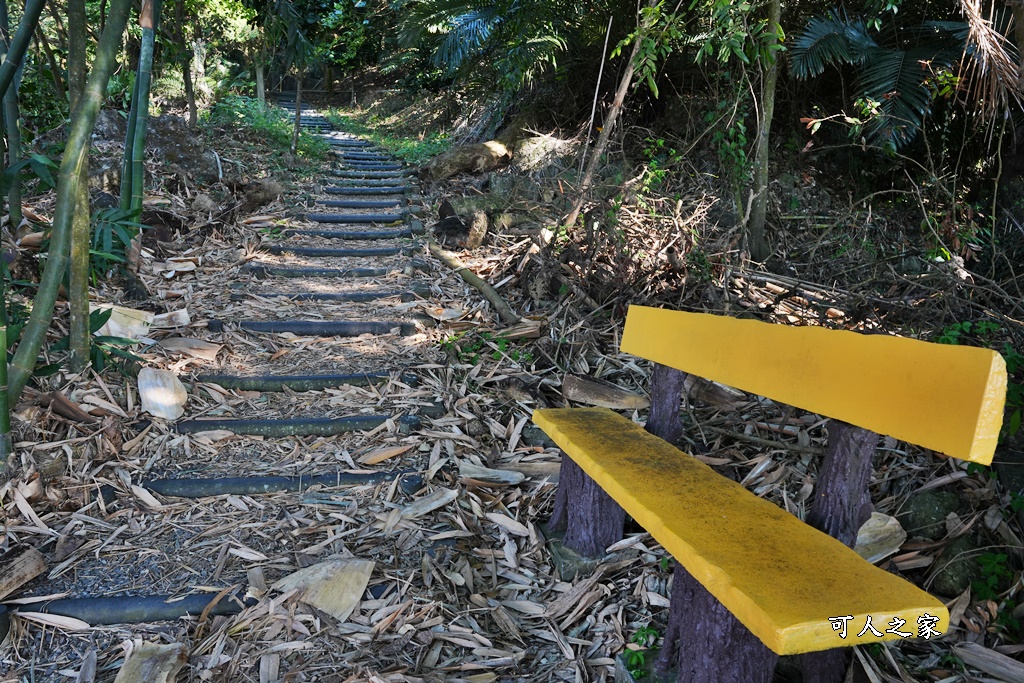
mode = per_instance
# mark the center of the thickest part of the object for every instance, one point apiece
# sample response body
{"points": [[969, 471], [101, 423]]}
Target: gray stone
{"points": [[924, 515], [539, 152], [956, 568], [535, 436]]}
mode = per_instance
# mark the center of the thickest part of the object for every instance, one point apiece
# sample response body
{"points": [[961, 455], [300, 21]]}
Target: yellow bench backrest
{"points": [[947, 398]]}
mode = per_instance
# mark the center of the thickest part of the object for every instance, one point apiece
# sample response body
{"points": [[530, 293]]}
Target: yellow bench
{"points": [[753, 581]]}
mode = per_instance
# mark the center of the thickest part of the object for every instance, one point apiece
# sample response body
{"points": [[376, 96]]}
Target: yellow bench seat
{"points": [[782, 579]]}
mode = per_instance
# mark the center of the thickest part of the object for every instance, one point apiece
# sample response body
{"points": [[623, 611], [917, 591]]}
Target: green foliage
{"points": [[105, 351], [471, 347], [511, 41], [995, 572], [39, 167], [414, 150], [660, 158], [112, 235], [897, 84], [271, 124], [636, 659], [737, 32], [659, 33], [985, 333]]}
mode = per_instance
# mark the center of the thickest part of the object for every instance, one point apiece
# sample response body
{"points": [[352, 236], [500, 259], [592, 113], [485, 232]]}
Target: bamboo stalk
{"points": [[19, 43], [452, 261], [75, 154], [134, 175], [11, 120], [78, 277]]}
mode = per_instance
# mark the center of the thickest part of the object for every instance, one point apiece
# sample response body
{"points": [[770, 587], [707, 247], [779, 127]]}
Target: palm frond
{"points": [[467, 36], [830, 39]]}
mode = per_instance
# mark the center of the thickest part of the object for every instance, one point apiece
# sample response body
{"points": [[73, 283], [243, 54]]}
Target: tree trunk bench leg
{"points": [[667, 385], [705, 643], [591, 519], [842, 503]]}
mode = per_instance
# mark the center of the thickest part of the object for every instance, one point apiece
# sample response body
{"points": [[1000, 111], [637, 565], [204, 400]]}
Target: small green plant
{"points": [[470, 347], [995, 572], [635, 658], [105, 350], [645, 636], [112, 234]]}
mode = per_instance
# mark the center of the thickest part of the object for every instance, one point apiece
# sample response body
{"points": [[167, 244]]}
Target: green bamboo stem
{"points": [[19, 43], [81, 225], [11, 116], [127, 160], [150, 20], [6, 443], [75, 154]]}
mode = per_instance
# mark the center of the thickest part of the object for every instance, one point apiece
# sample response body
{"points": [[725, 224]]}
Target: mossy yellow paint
{"points": [[782, 578], [947, 398]]}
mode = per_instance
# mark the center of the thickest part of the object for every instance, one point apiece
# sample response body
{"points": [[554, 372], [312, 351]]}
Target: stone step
{"points": [[360, 203], [380, 189], [303, 382], [355, 217], [352, 234]]}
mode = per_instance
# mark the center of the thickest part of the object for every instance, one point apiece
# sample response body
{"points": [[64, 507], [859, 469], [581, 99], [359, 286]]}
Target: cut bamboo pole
{"points": [[452, 261]]}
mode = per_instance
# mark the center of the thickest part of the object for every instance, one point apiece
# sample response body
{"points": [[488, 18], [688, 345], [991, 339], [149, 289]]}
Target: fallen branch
{"points": [[452, 261]]}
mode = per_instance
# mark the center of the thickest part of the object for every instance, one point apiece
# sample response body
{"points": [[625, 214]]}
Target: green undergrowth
{"points": [[270, 124], [415, 149]]}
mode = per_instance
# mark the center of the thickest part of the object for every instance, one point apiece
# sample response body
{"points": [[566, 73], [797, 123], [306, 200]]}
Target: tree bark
{"points": [[666, 394], [591, 519], [261, 83], [75, 153], [298, 111], [759, 249], [79, 334], [186, 62], [841, 505], [706, 643], [602, 141], [51, 59]]}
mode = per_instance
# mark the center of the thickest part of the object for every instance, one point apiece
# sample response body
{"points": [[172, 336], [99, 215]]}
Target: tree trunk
{"points": [[666, 394], [261, 84], [706, 643], [79, 334], [759, 249], [186, 63], [329, 80], [298, 112], [591, 519], [841, 505], [75, 153], [602, 142], [51, 59], [19, 43], [62, 35]]}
